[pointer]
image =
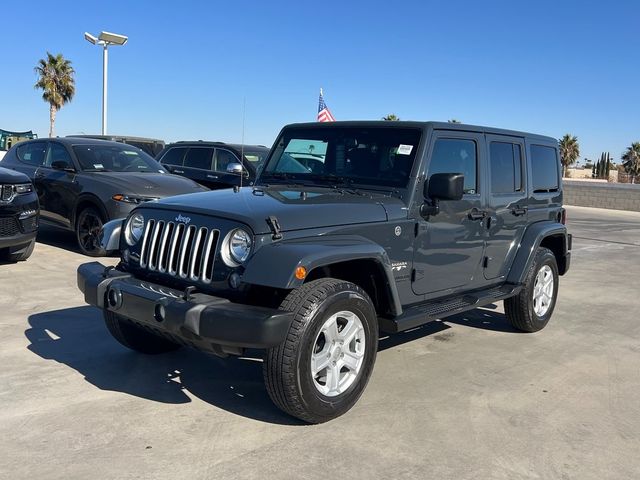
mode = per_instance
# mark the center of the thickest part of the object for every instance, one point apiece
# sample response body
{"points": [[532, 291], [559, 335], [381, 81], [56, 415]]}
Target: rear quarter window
{"points": [[544, 168], [32, 153]]}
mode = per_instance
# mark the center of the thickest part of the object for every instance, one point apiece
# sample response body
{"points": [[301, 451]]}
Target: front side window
{"points": [[173, 156], [223, 159], [506, 167], [199, 157], [380, 156], [32, 153], [453, 155], [544, 168], [57, 153], [115, 158]]}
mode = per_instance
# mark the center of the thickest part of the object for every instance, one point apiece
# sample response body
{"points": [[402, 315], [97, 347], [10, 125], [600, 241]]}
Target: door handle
{"points": [[175, 170], [518, 210], [476, 214], [215, 177]]}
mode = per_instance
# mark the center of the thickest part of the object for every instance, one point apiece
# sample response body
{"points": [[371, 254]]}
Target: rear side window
{"points": [[199, 158], [174, 156], [506, 167], [453, 155], [32, 153], [544, 168], [57, 153]]}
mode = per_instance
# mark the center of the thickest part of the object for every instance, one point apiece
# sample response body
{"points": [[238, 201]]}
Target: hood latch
{"points": [[274, 225]]}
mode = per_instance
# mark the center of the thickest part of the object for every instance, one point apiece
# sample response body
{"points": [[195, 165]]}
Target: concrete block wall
{"points": [[617, 196]]}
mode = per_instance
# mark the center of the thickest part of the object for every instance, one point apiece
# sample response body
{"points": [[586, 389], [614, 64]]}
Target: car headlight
{"points": [[120, 197], [134, 229], [237, 247], [24, 188]]}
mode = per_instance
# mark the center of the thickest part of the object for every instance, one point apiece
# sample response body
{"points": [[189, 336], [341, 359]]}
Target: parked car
{"points": [[151, 146], [18, 216], [82, 183], [214, 164], [404, 223]]}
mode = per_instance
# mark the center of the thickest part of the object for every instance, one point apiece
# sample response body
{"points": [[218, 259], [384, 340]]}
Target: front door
{"points": [[449, 245], [507, 205], [58, 187]]}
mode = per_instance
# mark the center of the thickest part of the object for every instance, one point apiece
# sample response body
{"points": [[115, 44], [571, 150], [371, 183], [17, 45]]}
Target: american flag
{"points": [[324, 115]]}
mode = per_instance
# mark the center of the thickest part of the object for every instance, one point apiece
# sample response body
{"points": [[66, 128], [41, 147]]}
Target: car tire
{"points": [[22, 254], [531, 309], [88, 225], [335, 323], [135, 337]]}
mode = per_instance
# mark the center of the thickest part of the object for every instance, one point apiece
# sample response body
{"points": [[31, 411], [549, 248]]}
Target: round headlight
{"points": [[134, 229], [239, 245]]}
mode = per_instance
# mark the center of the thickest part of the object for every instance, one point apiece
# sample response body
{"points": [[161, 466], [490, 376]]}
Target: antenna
{"points": [[244, 106]]}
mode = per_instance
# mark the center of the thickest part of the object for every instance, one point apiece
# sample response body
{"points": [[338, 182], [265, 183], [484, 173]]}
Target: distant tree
{"points": [[631, 159], [55, 79], [569, 151], [453, 120], [593, 171], [311, 148], [392, 117]]}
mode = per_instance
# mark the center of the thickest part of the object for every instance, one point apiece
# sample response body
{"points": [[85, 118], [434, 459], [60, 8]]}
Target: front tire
{"points": [[531, 309], [88, 226], [136, 338], [319, 372]]}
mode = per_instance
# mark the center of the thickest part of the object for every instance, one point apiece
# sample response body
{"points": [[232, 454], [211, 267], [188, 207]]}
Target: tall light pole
{"points": [[105, 39]]}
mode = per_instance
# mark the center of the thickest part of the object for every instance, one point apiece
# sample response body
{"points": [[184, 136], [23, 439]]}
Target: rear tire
{"points": [[531, 309], [136, 338], [321, 369]]}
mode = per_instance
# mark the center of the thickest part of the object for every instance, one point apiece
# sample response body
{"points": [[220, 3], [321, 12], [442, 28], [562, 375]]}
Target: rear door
{"points": [[197, 164], [173, 159], [449, 245], [507, 208]]}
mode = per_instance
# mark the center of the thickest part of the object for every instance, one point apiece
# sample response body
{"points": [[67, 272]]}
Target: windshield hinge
{"points": [[274, 225]]}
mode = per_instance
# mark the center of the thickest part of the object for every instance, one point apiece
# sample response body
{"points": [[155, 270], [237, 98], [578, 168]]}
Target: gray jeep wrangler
{"points": [[351, 228]]}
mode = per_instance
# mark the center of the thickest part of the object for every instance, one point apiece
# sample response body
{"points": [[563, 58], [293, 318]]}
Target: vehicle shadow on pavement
{"points": [[78, 338]]}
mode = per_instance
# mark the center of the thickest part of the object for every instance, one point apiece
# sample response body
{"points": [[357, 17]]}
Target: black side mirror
{"points": [[62, 165], [441, 186]]}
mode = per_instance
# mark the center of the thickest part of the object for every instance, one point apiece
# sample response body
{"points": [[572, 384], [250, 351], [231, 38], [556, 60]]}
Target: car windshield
{"points": [[377, 156], [115, 158]]}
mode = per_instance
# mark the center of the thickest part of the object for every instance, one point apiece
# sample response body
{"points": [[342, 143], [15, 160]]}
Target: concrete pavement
{"points": [[467, 398]]}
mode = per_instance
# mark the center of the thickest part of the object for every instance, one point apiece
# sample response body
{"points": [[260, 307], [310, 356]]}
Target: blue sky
{"points": [[546, 67]]}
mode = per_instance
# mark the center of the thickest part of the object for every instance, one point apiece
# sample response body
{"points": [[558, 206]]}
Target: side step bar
{"points": [[444, 307]]}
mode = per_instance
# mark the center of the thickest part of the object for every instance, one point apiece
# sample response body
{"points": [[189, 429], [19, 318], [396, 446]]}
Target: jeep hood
{"points": [[294, 207]]}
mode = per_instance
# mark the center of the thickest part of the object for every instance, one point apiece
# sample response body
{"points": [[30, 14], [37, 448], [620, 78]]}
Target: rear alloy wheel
{"points": [[323, 366], [532, 308], [88, 227]]}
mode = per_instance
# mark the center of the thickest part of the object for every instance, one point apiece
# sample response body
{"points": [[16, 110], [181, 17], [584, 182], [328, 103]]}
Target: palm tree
{"points": [[631, 160], [392, 117], [569, 151], [55, 78]]}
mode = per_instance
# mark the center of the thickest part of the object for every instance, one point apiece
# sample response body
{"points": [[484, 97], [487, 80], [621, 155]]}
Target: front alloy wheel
{"points": [[88, 227], [323, 366]]}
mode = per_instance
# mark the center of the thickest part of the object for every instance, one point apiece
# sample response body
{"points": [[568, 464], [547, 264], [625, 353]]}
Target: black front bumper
{"points": [[205, 322]]}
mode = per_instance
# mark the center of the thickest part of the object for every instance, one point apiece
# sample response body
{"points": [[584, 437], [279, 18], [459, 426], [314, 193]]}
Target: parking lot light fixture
{"points": [[105, 39]]}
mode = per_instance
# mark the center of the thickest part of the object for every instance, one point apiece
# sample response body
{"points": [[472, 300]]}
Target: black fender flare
{"points": [[312, 253], [94, 200], [531, 240]]}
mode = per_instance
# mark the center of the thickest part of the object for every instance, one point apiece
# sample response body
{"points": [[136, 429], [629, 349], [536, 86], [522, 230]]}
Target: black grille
{"points": [[179, 250], [8, 227], [6, 192]]}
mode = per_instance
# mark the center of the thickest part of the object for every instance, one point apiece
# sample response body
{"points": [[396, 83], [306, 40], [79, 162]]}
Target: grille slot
{"points": [[182, 251], [6, 192]]}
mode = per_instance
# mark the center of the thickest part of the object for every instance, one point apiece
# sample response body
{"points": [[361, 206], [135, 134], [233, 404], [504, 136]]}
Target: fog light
{"points": [[114, 298], [234, 280], [159, 313]]}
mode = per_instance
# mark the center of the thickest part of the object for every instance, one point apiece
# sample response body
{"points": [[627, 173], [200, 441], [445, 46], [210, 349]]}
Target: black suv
{"points": [[214, 164], [405, 223], [82, 183], [18, 216]]}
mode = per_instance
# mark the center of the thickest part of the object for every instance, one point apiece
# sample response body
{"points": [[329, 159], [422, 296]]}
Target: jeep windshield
{"points": [[115, 158], [369, 156]]}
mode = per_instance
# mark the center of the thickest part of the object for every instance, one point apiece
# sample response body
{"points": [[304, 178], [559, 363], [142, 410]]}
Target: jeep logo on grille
{"points": [[182, 219]]}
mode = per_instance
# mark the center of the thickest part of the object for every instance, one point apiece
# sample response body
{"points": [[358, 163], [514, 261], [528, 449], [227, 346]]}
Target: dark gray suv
{"points": [[399, 224], [83, 183]]}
